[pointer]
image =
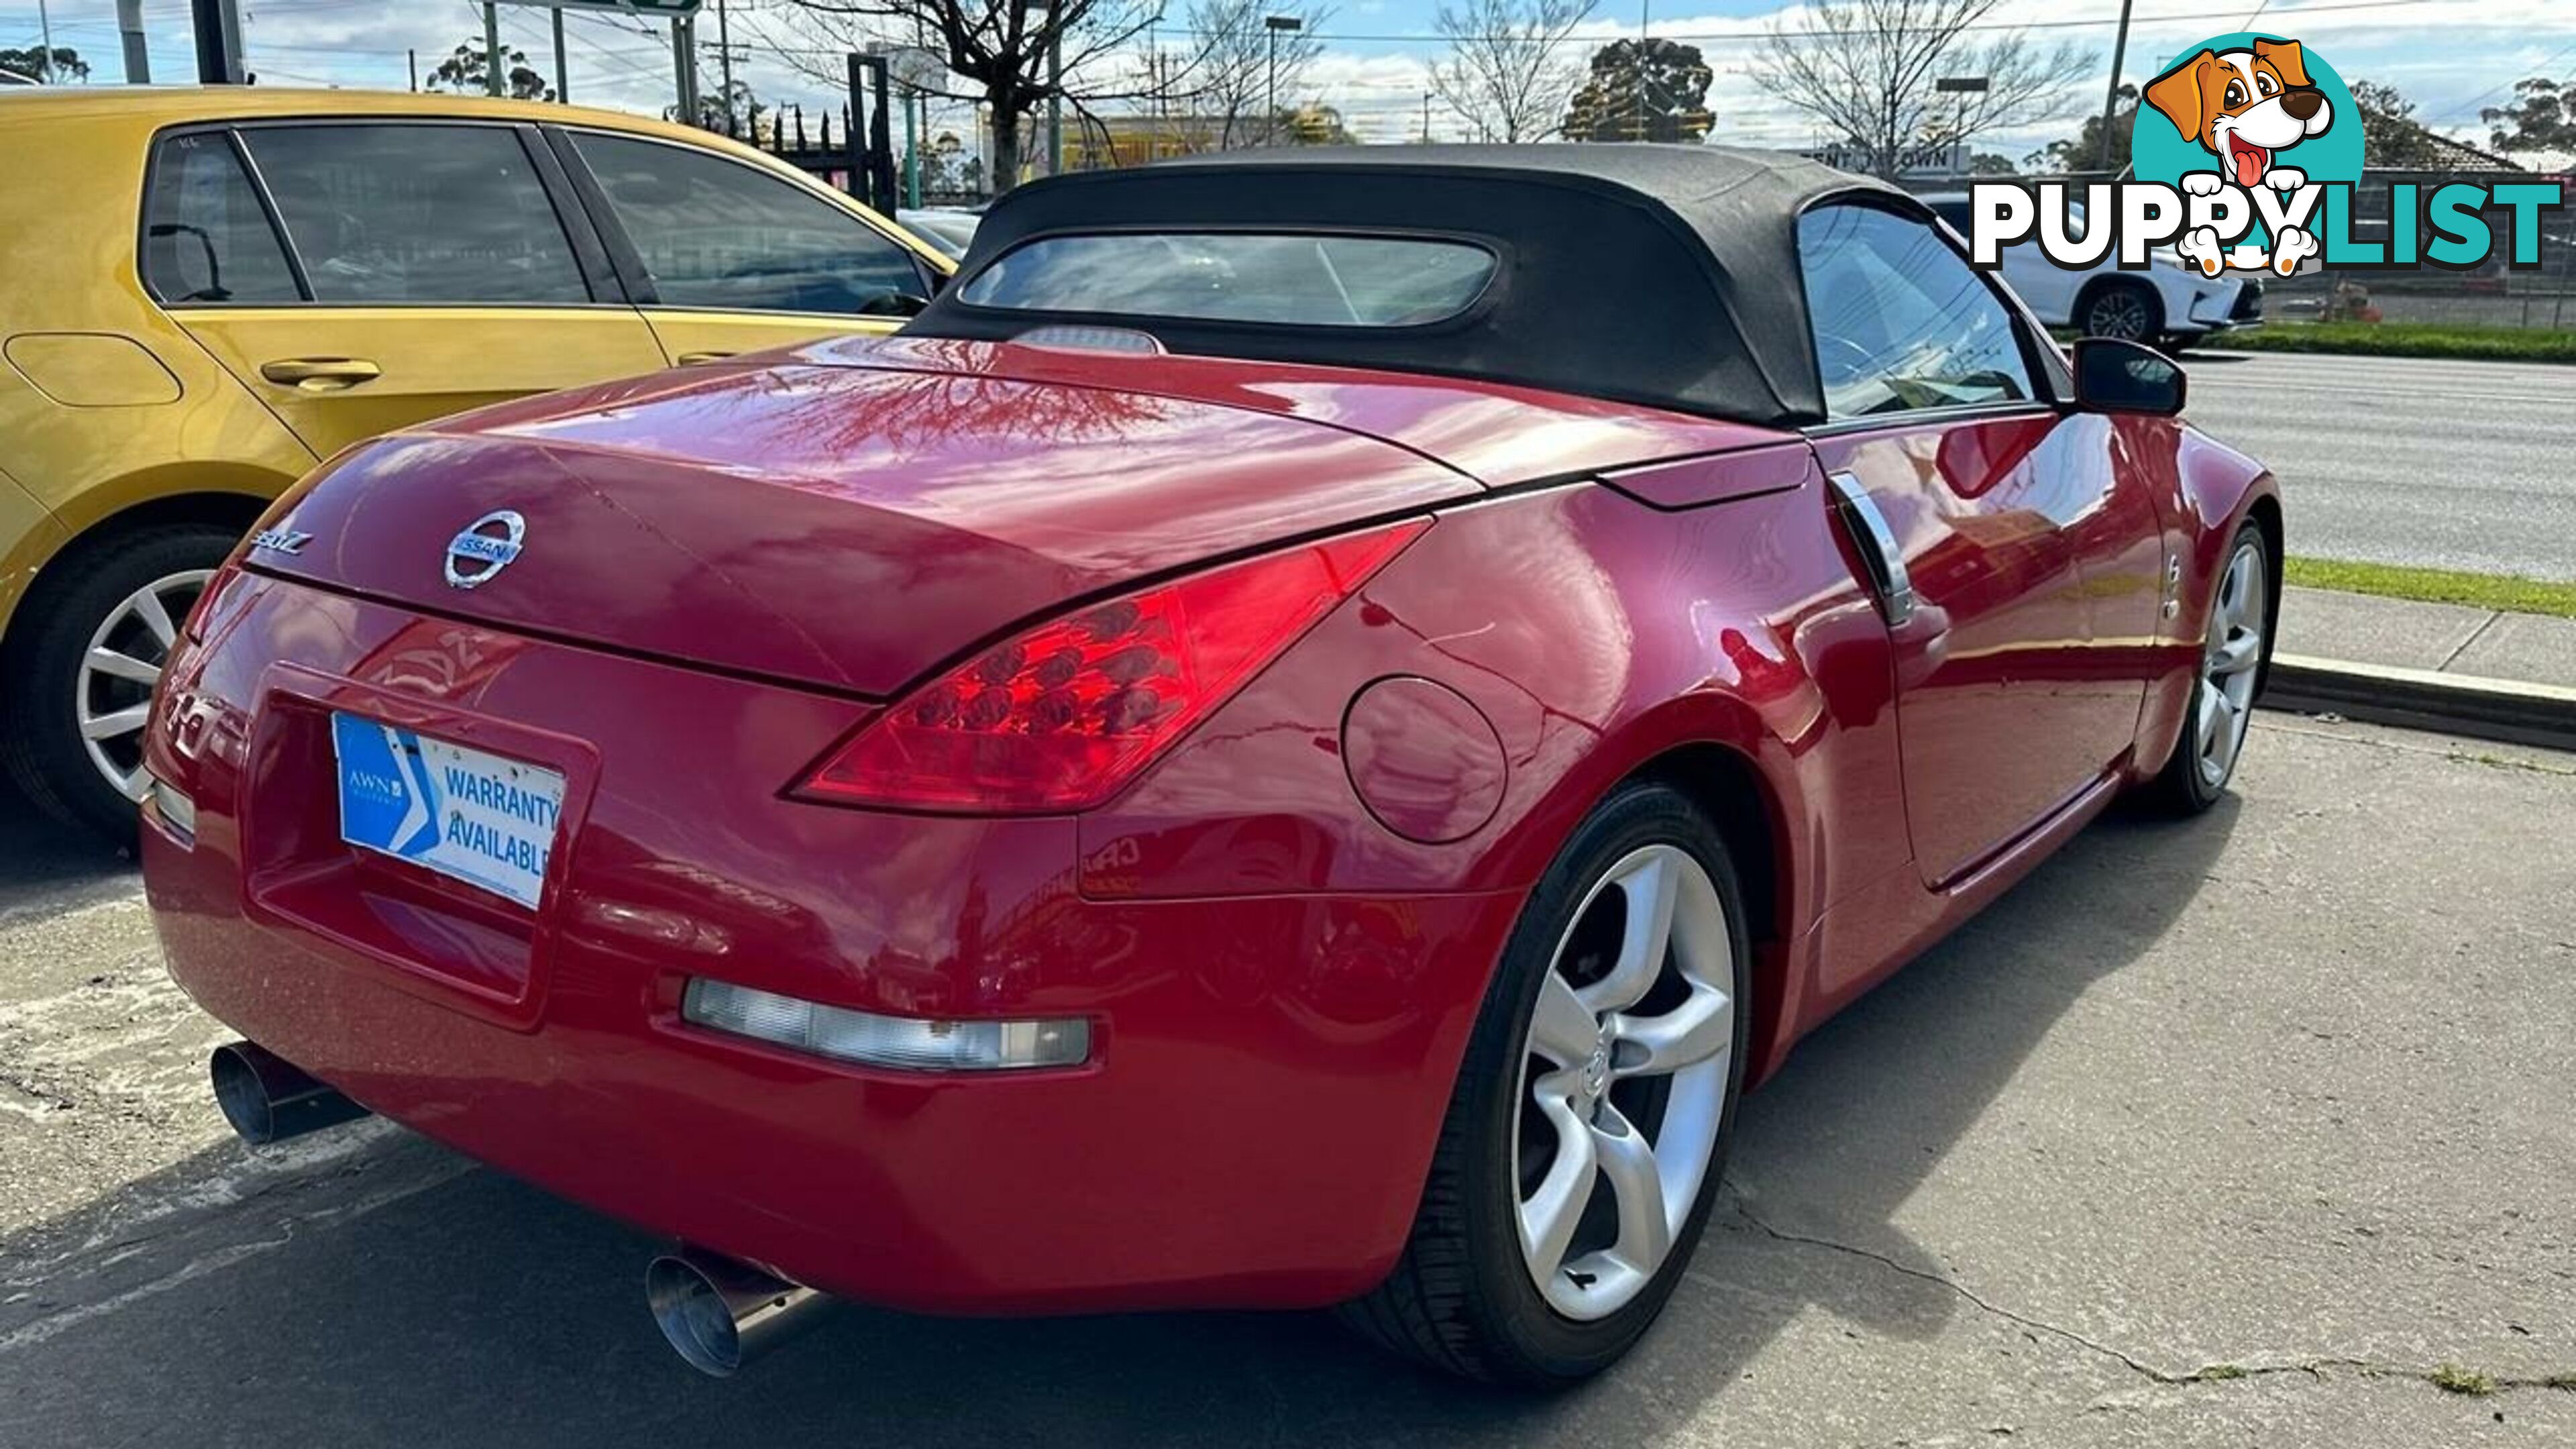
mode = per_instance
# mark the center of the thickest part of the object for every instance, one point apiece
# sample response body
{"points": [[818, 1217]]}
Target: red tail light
{"points": [[1064, 714]]}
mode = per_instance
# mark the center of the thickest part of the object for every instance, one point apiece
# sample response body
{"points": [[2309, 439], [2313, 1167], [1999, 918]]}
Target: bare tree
{"points": [[1238, 66], [1016, 55], [1506, 73], [1868, 70]]}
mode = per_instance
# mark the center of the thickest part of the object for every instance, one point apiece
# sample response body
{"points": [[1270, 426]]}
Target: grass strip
{"points": [[2407, 339], [2435, 586]]}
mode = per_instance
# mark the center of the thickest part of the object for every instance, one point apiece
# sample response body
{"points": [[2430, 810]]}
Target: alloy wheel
{"points": [[112, 696], [1623, 1081], [2229, 664], [2118, 312]]}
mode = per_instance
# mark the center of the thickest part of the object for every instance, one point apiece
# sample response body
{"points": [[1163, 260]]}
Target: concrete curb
{"points": [[2487, 709]]}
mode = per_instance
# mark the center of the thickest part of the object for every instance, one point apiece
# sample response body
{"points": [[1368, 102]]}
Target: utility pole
{"points": [[684, 61], [45, 61], [1426, 118], [563, 77], [411, 58], [491, 48], [129, 28], [1645, 26], [724, 62], [2111, 102], [1055, 87], [216, 27]]}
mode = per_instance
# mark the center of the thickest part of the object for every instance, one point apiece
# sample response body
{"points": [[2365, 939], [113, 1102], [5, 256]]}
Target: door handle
{"points": [[1879, 551], [692, 359], [320, 374]]}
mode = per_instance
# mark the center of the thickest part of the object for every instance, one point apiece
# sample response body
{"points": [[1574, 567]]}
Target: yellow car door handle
{"points": [[321, 374], [691, 359]]}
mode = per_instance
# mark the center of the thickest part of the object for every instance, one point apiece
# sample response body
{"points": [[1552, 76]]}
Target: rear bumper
{"points": [[1267, 1076]]}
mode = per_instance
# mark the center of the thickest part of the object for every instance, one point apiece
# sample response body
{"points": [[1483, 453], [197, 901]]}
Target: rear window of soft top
{"points": [[1291, 279]]}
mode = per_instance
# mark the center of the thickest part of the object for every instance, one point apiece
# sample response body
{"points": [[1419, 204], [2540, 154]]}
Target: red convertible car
{"points": [[1296, 738]]}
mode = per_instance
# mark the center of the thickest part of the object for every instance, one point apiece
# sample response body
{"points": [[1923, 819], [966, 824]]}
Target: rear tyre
{"points": [[2221, 711], [2128, 310], [1589, 1126], [88, 645]]}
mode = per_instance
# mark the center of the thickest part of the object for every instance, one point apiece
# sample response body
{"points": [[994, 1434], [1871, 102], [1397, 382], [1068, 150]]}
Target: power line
{"points": [[2484, 96]]}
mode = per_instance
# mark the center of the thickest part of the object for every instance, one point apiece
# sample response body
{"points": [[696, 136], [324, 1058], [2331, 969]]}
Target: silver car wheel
{"points": [[2229, 663], [112, 696], [2119, 312], [1624, 1077]]}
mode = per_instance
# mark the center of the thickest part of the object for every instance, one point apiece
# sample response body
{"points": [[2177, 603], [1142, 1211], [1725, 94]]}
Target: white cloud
{"points": [[2450, 56]]}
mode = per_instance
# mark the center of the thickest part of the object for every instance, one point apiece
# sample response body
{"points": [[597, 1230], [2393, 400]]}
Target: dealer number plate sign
{"points": [[471, 815]]}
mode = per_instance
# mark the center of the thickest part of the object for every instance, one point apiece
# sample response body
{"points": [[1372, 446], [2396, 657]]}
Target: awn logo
{"points": [[2247, 154]]}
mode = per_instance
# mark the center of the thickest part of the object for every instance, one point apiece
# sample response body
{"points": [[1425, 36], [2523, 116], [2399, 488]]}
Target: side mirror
{"points": [[2112, 376]]}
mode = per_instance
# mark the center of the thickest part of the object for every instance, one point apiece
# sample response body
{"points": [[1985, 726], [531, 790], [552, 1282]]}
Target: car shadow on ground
{"points": [[480, 1311], [44, 864]]}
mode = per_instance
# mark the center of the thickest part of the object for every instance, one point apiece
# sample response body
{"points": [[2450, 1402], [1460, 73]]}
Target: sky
{"points": [[2450, 56]]}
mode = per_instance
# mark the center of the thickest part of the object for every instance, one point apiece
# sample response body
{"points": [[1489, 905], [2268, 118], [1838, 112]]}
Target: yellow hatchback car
{"points": [[223, 286]]}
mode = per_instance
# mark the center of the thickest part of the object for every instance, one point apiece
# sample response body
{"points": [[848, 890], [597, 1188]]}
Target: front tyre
{"points": [[89, 643], [1589, 1126], [2221, 711]]}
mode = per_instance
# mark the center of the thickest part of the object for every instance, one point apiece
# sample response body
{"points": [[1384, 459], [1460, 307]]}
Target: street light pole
{"points": [[1273, 27], [1962, 86], [563, 76], [491, 47]]}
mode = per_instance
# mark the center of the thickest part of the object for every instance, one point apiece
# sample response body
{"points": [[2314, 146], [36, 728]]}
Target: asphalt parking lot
{"points": [[2403, 460], [2228, 1132]]}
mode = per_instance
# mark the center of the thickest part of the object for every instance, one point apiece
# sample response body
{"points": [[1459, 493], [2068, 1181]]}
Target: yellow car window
{"points": [[205, 238], [411, 213], [716, 233]]}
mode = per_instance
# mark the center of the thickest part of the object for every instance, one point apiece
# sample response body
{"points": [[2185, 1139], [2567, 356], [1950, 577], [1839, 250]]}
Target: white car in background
{"points": [[950, 229], [2169, 303]]}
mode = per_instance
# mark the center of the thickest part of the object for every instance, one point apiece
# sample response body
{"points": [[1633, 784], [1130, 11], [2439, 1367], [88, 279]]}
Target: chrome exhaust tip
{"points": [[720, 1313], [269, 1099]]}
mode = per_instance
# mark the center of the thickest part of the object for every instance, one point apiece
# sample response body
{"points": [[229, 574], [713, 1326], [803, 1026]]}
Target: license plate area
{"points": [[355, 893], [470, 815]]}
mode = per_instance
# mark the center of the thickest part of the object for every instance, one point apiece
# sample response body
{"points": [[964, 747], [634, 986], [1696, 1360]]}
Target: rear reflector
{"points": [[176, 811], [901, 1042], [1065, 714]]}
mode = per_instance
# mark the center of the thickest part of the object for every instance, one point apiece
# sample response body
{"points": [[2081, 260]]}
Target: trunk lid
{"points": [[836, 526]]}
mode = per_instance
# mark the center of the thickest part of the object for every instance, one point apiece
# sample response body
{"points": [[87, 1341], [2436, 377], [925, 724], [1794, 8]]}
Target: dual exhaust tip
{"points": [[718, 1313]]}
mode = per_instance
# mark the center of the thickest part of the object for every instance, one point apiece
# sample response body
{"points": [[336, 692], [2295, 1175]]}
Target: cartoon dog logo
{"points": [[2244, 107]]}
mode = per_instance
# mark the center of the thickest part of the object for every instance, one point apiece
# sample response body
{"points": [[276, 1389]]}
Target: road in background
{"points": [[2218, 1132], [2457, 465]]}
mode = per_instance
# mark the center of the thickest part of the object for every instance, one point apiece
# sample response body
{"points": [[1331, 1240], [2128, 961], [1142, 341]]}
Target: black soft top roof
{"points": [[1664, 275]]}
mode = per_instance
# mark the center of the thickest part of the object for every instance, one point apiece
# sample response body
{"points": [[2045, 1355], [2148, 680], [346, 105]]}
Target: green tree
{"points": [[35, 63], [2541, 117], [742, 115], [463, 71], [1651, 90], [2390, 134], [2083, 150]]}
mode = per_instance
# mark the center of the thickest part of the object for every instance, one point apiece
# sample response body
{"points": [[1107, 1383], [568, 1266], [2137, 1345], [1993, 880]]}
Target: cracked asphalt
{"points": [[2248, 1131]]}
